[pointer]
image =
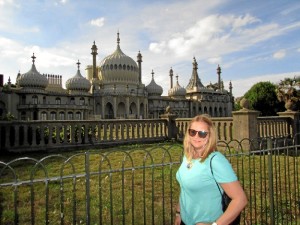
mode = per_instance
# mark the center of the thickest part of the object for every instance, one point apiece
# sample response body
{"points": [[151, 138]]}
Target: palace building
{"points": [[111, 89]]}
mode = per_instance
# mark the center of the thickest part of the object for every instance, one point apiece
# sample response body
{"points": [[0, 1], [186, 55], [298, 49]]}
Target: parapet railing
{"points": [[275, 126], [48, 135], [21, 136]]}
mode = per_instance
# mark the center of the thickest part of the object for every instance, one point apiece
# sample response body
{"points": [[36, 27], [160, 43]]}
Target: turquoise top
{"points": [[200, 198]]}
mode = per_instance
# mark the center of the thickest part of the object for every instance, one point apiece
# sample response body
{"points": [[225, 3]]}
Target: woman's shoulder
{"points": [[218, 157], [216, 154]]}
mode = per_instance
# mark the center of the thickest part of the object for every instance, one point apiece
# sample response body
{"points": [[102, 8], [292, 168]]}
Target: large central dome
{"points": [[118, 68]]}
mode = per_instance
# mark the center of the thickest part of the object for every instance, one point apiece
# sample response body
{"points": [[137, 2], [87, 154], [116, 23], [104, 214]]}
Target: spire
{"points": [[33, 58], [195, 82]]}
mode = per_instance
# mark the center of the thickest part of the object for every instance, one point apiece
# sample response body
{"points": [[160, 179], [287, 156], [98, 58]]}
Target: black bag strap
{"points": [[212, 172]]}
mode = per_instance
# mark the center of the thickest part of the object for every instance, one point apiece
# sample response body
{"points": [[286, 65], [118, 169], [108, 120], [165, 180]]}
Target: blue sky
{"points": [[252, 40]]}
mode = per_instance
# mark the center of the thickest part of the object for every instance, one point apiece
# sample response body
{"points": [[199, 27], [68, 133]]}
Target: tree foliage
{"points": [[288, 90], [262, 97]]}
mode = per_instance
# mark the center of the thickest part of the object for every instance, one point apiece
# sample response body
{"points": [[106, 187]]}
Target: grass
{"points": [[135, 185]]}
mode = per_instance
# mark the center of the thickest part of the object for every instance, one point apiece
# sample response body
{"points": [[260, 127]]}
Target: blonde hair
{"points": [[211, 143]]}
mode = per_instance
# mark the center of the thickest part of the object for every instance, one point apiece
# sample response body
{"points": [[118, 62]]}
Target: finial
{"points": [[152, 74], [218, 69], [118, 38], [78, 64], [177, 78], [33, 58], [195, 64]]}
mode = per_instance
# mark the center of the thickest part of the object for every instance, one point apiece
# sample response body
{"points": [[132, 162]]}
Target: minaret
{"points": [[94, 53], [139, 60], [171, 78], [219, 77]]}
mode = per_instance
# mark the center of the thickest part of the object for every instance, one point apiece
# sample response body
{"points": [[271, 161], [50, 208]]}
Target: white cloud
{"points": [[6, 2], [99, 22], [218, 33], [279, 54], [157, 47]]}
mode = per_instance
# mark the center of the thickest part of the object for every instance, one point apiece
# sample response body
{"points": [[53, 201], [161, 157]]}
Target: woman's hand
{"points": [[177, 220]]}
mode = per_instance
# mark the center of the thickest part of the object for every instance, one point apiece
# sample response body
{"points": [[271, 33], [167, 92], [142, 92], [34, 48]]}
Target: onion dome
{"points": [[119, 67], [154, 89], [32, 78], [78, 82], [177, 90]]}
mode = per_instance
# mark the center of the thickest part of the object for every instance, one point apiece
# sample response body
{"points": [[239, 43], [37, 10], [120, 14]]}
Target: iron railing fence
{"points": [[138, 186]]}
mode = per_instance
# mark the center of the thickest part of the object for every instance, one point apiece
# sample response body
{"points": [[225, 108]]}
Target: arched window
{"points": [[43, 116], [53, 115], [81, 101], [57, 101], [61, 115], [72, 101], [34, 100], [78, 116], [70, 116]]}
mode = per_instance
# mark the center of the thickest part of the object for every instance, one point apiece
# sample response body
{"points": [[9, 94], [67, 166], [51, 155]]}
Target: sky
{"points": [[251, 40]]}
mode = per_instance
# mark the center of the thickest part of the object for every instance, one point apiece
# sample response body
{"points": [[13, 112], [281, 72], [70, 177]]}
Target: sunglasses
{"points": [[201, 133]]}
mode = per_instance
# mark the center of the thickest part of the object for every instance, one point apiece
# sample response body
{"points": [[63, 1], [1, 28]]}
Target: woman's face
{"points": [[199, 134]]}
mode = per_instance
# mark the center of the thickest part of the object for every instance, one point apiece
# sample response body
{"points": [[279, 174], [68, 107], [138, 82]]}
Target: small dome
{"points": [[177, 90], [32, 78], [78, 82], [119, 67], [153, 88]]}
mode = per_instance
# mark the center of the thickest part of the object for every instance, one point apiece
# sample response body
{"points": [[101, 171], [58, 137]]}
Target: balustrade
{"points": [[47, 135]]}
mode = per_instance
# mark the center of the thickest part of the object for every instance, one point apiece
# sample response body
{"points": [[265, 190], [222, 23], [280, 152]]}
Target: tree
{"points": [[262, 97], [288, 92]]}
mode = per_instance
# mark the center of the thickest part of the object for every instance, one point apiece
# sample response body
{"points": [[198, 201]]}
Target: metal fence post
{"points": [[87, 187], [271, 186]]}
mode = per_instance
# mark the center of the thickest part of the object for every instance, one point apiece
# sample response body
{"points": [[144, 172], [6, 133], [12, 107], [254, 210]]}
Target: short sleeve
{"points": [[222, 169]]}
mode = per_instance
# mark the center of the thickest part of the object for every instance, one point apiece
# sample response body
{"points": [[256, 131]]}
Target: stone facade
{"points": [[111, 89]]}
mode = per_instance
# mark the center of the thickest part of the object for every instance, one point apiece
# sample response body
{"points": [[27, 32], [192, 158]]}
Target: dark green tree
{"points": [[262, 97]]}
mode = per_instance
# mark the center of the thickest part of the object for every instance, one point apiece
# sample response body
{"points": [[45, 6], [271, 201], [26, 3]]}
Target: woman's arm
{"points": [[177, 216], [238, 202]]}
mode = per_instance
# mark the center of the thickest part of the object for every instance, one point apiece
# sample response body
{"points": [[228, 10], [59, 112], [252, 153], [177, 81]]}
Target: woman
{"points": [[200, 198]]}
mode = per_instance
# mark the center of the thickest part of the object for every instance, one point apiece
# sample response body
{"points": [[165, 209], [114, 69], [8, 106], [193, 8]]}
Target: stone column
{"points": [[245, 125], [171, 125]]}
